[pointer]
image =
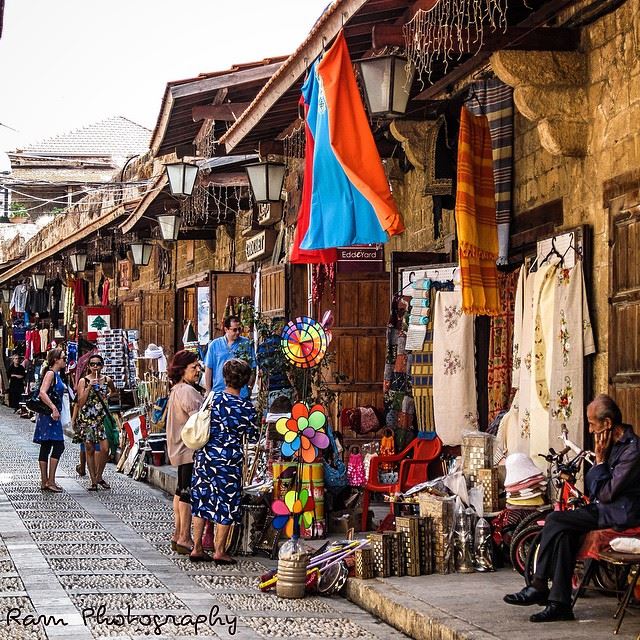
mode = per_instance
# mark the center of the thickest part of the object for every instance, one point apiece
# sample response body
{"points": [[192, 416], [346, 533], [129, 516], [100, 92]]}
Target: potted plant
{"points": [[18, 213]]}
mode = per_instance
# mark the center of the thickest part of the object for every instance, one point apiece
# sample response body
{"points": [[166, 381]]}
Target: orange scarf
{"points": [[476, 217]]}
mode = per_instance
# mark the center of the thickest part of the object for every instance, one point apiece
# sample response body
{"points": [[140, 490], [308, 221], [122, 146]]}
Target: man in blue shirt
{"points": [[230, 345]]}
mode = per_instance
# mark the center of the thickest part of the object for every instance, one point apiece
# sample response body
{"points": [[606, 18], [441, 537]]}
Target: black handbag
{"points": [[35, 404]]}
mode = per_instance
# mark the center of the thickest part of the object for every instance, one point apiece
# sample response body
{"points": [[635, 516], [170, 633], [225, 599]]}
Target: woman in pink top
{"points": [[184, 400]]}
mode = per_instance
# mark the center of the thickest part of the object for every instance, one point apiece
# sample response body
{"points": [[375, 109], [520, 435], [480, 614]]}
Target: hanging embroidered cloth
{"points": [[572, 341], [298, 255], [454, 376], [541, 357], [501, 345], [476, 217], [351, 202], [494, 99]]}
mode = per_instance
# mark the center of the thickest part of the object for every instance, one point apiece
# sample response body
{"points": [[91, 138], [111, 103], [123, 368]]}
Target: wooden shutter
{"points": [[624, 313], [273, 288], [359, 337], [130, 314], [158, 314]]}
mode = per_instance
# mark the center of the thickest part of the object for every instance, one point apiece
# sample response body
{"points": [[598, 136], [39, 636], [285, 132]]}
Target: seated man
{"points": [[613, 485]]}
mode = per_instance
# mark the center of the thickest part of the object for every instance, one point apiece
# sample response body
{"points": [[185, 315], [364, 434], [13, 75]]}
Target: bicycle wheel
{"points": [[532, 557], [529, 519], [520, 546]]}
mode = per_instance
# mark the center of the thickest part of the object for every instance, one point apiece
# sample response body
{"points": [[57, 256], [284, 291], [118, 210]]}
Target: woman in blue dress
{"points": [[48, 433], [216, 487]]}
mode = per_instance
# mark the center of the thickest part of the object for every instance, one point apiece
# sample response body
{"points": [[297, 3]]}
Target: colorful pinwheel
{"points": [[304, 431], [295, 505]]}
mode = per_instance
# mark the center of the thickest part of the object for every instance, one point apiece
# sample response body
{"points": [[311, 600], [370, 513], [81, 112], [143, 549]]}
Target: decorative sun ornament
{"points": [[304, 342], [295, 505], [304, 431]]}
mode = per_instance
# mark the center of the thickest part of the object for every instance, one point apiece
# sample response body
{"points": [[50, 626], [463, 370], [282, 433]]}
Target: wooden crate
{"points": [[440, 511], [477, 453], [381, 548], [410, 527], [489, 480], [364, 567], [424, 544]]}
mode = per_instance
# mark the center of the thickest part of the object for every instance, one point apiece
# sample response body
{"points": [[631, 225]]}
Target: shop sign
{"points": [[261, 245], [366, 257], [124, 274]]}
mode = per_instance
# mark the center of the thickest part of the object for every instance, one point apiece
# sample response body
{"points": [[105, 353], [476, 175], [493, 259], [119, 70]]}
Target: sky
{"points": [[65, 64]]}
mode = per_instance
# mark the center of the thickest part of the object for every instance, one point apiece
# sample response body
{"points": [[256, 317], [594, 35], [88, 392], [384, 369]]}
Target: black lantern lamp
{"points": [[38, 280], [141, 252], [266, 179], [182, 177], [386, 81], [169, 224], [78, 261]]}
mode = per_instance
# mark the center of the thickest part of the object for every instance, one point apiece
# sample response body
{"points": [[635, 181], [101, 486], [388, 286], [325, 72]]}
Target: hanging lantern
{"points": [[6, 295], [266, 179], [78, 261], [386, 82], [169, 226], [182, 177], [141, 252], [38, 280]]}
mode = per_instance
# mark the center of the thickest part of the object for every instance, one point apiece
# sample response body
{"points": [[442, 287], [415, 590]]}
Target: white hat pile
{"points": [[524, 482]]}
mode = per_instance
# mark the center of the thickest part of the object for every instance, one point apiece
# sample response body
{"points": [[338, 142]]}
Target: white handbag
{"points": [[196, 430]]}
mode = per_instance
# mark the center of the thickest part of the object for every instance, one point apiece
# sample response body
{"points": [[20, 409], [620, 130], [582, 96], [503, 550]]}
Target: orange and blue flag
{"points": [[351, 202]]}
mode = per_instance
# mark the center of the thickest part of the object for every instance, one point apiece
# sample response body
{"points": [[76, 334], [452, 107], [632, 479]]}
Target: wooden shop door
{"points": [[158, 320], [359, 337], [624, 313]]}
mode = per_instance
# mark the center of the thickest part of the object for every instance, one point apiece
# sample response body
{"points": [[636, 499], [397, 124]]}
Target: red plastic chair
{"points": [[414, 462]]}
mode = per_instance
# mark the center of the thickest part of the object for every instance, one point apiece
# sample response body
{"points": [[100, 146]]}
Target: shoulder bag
{"points": [[109, 423], [197, 429], [35, 403], [335, 472]]}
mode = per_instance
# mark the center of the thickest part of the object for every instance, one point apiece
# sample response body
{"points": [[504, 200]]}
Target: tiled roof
{"points": [[116, 137]]}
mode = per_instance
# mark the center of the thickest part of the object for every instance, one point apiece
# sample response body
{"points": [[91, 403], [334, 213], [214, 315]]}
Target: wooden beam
{"points": [[228, 112], [228, 179], [235, 78], [328, 26], [536, 19], [515, 38]]}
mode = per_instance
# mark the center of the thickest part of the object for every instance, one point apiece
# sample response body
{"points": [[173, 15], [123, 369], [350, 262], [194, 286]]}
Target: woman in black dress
{"points": [[17, 375]]}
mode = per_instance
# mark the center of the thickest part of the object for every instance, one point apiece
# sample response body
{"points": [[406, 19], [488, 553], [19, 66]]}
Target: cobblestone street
{"points": [[100, 564]]}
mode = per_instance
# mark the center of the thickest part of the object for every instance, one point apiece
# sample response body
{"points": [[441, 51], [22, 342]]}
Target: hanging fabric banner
{"points": [[298, 255], [351, 202], [476, 217]]}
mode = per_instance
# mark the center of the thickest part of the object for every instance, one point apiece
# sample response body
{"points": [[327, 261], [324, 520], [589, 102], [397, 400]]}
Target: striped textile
{"points": [[475, 215], [494, 99], [501, 345]]}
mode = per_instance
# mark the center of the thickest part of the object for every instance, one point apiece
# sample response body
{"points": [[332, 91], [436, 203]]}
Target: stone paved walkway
{"points": [[82, 565]]}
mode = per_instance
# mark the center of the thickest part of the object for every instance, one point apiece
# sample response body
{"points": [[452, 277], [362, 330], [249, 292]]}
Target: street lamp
{"points": [[38, 280], [6, 295], [266, 180], [169, 225], [386, 81], [141, 252], [182, 177], [78, 261]]}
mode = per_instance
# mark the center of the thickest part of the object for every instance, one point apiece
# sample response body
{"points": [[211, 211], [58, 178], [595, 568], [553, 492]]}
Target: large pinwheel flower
{"points": [[295, 505], [304, 431]]}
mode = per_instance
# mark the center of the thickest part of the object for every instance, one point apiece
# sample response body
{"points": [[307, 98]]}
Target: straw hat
{"points": [[519, 467]]}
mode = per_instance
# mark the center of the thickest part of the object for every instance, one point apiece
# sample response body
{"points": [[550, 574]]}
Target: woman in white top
{"points": [[184, 400]]}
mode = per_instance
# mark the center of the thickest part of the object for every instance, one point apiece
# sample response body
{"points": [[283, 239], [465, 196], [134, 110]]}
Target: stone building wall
{"points": [[611, 111]]}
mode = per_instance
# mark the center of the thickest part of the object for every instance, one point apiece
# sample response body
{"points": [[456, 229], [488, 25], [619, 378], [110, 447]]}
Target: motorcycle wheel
{"points": [[520, 545]]}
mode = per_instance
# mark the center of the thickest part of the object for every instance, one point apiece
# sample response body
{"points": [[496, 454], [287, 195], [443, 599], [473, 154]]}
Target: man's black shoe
{"points": [[527, 596], [553, 612]]}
